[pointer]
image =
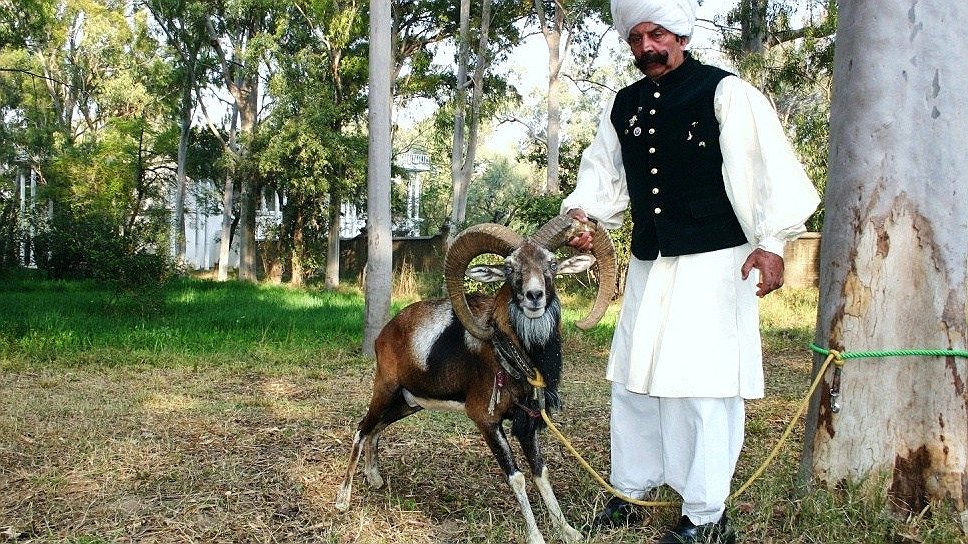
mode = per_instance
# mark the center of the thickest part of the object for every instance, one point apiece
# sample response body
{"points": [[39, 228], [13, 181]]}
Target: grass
{"points": [[224, 413]]}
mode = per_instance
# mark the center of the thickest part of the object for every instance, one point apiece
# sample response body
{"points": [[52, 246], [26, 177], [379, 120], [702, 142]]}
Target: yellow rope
{"points": [[593, 473], [833, 356]]}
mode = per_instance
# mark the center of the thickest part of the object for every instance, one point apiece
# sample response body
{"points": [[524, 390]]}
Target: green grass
{"points": [[223, 412], [191, 322]]}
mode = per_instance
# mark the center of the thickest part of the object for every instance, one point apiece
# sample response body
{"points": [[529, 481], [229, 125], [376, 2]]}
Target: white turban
{"points": [[677, 16]]}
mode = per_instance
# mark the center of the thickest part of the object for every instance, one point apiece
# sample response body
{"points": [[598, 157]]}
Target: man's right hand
{"points": [[582, 242]]}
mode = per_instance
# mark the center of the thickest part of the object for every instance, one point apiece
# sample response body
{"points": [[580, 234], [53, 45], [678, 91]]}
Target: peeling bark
{"points": [[894, 256]]}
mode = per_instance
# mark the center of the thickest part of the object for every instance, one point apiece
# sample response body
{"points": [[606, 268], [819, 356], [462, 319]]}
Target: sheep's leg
{"points": [[532, 451], [384, 409], [567, 532], [498, 442], [397, 410], [346, 488]]}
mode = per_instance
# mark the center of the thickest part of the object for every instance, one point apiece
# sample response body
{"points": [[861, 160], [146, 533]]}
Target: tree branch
{"points": [[578, 80], [819, 31], [39, 76]]}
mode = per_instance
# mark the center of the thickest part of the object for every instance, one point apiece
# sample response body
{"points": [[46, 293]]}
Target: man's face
{"points": [[657, 51]]}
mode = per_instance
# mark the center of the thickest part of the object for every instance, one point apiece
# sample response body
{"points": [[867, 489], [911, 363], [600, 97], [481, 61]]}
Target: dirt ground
{"points": [[146, 455]]}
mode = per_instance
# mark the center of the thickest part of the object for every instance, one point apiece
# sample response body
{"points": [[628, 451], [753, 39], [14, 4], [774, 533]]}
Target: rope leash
{"points": [[834, 357]]}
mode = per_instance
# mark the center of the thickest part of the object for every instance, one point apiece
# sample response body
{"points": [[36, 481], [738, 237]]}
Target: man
{"points": [[715, 192]]}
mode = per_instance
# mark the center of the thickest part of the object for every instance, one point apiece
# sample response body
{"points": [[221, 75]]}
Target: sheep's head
{"points": [[530, 271], [529, 268]]}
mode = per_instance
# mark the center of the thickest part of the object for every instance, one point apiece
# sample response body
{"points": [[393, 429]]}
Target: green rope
{"points": [[893, 353]]}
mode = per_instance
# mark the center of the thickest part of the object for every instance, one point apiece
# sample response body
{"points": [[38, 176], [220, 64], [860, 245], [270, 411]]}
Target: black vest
{"points": [[673, 163]]}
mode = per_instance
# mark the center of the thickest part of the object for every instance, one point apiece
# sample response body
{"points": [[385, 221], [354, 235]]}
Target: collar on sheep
{"points": [[518, 365]]}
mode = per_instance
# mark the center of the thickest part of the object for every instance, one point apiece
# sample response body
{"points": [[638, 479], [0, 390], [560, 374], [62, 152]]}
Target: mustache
{"points": [[651, 57]]}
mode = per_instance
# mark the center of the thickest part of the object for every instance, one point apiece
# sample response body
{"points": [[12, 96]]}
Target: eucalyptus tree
{"points": [[21, 22], [561, 23], [241, 35], [315, 150], [183, 24], [104, 127], [786, 48], [379, 266], [894, 257], [473, 65]]}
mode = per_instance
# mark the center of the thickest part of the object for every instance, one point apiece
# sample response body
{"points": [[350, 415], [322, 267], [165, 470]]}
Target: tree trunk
{"points": [[894, 255], [248, 112], [225, 243], [332, 242], [242, 81], [181, 177], [753, 26], [553, 34], [477, 94], [554, 119], [297, 268], [228, 196], [459, 178], [463, 154], [380, 249]]}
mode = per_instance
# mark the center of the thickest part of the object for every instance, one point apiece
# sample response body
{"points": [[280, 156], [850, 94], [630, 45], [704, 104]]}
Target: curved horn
{"points": [[556, 232], [604, 253], [474, 241]]}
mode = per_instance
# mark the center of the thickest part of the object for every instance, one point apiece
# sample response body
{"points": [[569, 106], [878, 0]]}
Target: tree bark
{"points": [[228, 196], [459, 178], [248, 112], [894, 255], [181, 177], [225, 243], [553, 33], [332, 238], [464, 152], [297, 256], [753, 27], [380, 245], [242, 81]]}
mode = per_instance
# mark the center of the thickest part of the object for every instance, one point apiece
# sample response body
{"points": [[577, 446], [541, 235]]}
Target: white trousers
{"points": [[690, 444]]}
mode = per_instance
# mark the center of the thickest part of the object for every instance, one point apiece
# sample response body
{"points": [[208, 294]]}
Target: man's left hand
{"points": [[770, 266]]}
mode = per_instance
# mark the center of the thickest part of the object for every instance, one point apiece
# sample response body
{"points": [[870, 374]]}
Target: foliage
{"points": [[21, 21], [87, 244], [312, 148], [207, 159], [794, 67], [87, 119]]}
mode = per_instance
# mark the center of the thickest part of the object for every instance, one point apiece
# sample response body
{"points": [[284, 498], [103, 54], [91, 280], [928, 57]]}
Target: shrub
{"points": [[91, 245]]}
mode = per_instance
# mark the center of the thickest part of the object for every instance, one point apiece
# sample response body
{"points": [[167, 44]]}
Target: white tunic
{"points": [[689, 325]]}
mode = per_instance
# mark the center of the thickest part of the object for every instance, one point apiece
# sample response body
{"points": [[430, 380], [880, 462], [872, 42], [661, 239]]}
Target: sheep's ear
{"points": [[576, 264], [485, 274]]}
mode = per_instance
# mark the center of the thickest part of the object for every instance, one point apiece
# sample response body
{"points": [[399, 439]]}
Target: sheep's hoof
{"points": [[374, 479], [343, 498], [570, 534]]}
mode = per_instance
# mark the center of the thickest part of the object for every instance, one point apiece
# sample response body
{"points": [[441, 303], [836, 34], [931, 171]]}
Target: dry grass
{"points": [[174, 455], [93, 454]]}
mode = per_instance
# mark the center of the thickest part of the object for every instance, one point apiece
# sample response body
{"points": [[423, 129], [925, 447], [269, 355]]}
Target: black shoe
{"points": [[616, 513], [685, 532]]}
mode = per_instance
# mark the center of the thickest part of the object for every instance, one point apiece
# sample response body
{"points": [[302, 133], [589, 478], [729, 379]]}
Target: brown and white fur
{"points": [[427, 359]]}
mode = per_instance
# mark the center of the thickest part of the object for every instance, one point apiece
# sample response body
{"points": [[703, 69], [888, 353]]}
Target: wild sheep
{"points": [[456, 353]]}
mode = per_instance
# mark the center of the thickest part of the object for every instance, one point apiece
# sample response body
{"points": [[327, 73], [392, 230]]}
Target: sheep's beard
{"points": [[539, 330]]}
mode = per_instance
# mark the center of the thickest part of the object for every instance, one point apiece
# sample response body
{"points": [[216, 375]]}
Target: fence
{"points": [[426, 254]]}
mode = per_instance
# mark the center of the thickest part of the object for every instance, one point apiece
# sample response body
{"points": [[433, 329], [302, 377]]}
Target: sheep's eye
{"points": [[508, 270], [553, 266]]}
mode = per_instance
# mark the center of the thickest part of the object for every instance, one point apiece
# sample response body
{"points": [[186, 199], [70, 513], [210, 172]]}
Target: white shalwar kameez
{"points": [[686, 350]]}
